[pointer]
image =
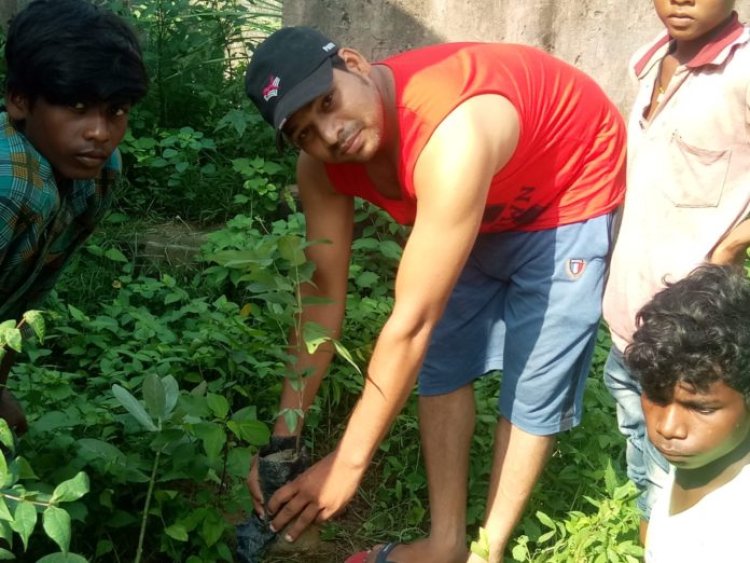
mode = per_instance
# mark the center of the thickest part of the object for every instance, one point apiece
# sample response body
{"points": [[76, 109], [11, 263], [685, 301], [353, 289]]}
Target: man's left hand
{"points": [[315, 496]]}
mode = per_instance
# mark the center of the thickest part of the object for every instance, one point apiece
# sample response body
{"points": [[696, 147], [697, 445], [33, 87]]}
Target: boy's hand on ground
{"points": [[253, 485], [315, 496]]}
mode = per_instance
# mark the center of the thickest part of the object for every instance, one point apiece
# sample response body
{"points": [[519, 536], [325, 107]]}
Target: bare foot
{"points": [[421, 551]]}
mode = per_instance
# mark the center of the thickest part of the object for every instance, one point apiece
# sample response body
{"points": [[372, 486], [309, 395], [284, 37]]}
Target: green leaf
{"points": [[134, 407], [177, 532], [155, 396], [6, 477], [99, 449], [291, 249], [390, 249], [63, 558], [24, 521], [212, 529], [77, 314], [115, 255], [11, 337], [610, 478], [103, 547], [481, 547], [519, 552], [366, 279], [6, 555], [291, 418], [5, 514], [213, 438], [218, 405], [6, 436], [56, 523], [344, 353], [171, 392], [251, 431], [36, 321], [314, 335], [72, 489], [545, 520]]}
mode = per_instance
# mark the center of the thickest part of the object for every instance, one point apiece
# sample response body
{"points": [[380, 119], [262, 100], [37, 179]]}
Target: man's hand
{"points": [[253, 485], [315, 496]]}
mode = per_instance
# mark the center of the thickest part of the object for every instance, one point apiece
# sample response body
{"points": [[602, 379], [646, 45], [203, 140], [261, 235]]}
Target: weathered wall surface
{"points": [[598, 36], [8, 8]]}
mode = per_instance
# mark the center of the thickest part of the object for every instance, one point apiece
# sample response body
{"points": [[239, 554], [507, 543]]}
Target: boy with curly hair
{"points": [[691, 354]]}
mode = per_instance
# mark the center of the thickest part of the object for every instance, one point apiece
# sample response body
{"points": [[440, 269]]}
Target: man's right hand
{"points": [[253, 485]]}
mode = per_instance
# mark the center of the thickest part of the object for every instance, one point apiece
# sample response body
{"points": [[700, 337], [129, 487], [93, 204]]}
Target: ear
{"points": [[18, 106], [355, 61]]}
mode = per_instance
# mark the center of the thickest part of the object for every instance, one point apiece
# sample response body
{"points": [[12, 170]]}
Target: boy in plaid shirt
{"points": [[73, 72]]}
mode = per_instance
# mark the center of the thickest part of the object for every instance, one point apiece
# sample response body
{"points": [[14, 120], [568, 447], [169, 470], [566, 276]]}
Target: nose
{"points": [[97, 126], [329, 129], [670, 424]]}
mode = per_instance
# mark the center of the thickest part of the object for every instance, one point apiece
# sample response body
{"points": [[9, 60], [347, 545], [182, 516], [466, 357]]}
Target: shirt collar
{"points": [[713, 53]]}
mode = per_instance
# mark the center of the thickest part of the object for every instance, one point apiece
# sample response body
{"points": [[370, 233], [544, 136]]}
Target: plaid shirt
{"points": [[40, 225]]}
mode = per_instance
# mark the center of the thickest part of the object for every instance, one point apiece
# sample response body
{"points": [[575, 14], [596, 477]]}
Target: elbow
{"points": [[412, 325]]}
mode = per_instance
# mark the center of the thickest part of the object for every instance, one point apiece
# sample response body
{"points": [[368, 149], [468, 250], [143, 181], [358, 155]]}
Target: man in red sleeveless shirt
{"points": [[508, 163]]}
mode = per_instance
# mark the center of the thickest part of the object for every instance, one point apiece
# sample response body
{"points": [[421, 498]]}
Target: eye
{"points": [[120, 110], [327, 101], [302, 136], [78, 107]]}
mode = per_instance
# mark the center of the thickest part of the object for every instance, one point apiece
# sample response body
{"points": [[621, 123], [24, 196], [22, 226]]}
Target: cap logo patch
{"points": [[271, 89], [328, 47], [575, 268]]}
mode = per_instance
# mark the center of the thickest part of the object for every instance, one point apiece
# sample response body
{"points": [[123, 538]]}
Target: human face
{"points": [[77, 140], [695, 428], [690, 20], [343, 125]]}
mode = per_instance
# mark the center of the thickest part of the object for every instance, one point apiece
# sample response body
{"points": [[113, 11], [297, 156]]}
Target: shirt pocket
{"points": [[697, 175]]}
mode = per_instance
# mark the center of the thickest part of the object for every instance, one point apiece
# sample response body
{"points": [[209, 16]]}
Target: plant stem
{"points": [[139, 551], [21, 499]]}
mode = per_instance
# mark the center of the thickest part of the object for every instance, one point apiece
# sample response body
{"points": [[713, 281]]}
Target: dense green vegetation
{"points": [[159, 378]]}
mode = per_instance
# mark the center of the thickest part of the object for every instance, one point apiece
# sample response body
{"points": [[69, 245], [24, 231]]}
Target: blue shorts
{"points": [[527, 303]]}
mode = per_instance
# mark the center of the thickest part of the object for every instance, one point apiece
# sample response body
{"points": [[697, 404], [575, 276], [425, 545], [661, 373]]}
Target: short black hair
{"points": [[696, 331], [70, 51]]}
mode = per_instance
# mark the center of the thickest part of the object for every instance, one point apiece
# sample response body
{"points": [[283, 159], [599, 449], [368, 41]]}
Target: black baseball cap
{"points": [[289, 69]]}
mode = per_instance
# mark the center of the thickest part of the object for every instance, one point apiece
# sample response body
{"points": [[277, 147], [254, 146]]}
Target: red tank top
{"points": [[569, 164]]}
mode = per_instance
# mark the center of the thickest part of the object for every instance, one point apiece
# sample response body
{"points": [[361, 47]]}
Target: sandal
{"points": [[361, 557]]}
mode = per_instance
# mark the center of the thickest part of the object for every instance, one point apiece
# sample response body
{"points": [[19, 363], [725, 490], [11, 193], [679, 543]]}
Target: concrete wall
{"points": [[8, 8], [598, 36]]}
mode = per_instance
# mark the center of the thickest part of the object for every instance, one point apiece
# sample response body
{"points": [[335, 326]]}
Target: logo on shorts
{"points": [[575, 268]]}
